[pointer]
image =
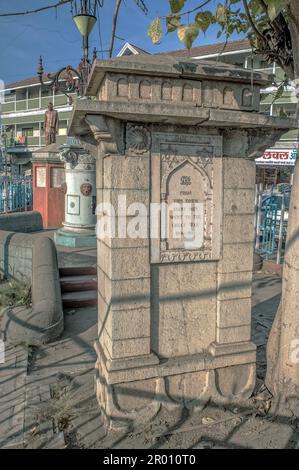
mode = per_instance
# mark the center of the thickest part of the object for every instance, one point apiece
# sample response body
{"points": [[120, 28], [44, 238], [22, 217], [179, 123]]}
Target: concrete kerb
{"points": [[24, 222], [43, 321]]}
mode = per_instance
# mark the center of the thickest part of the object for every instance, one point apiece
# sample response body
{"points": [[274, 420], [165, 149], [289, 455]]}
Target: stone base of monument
{"points": [[132, 392], [84, 238]]}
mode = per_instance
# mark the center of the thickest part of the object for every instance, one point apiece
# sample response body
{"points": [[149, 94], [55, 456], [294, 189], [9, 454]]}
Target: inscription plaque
{"points": [[185, 199], [186, 169], [57, 177], [41, 177]]}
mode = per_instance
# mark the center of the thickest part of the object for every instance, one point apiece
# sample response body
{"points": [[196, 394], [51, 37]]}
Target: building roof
{"points": [[26, 82], [211, 49], [30, 81], [131, 49]]}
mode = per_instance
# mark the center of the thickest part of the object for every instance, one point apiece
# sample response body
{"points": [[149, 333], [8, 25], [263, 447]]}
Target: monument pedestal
{"points": [[174, 301], [80, 199], [48, 185]]}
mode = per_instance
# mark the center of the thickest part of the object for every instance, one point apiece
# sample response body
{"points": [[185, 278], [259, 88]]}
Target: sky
{"points": [[53, 35]]}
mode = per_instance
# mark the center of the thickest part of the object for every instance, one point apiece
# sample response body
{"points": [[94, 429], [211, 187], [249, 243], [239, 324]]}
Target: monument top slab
{"points": [[175, 67], [163, 90]]}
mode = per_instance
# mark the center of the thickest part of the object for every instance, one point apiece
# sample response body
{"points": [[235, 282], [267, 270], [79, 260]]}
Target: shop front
{"points": [[276, 166]]}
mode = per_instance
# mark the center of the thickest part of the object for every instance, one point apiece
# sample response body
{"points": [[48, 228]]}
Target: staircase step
{"points": [[78, 283], [80, 299], [78, 271]]}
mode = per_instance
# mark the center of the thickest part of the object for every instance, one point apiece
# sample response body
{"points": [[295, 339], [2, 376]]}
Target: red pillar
{"points": [[48, 186]]}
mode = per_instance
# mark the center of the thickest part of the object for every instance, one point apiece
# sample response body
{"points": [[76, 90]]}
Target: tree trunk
{"points": [[282, 377]]}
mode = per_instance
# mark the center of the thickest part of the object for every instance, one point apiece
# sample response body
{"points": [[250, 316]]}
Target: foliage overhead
{"points": [[264, 22]]}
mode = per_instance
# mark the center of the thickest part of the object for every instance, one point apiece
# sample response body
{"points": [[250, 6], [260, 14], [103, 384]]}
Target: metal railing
{"points": [[271, 222], [34, 103], [15, 194]]}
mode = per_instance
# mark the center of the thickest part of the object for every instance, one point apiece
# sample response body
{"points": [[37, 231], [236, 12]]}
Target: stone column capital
{"points": [[75, 155], [107, 132]]}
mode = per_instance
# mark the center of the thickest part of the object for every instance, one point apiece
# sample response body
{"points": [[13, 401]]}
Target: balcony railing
{"points": [[33, 141], [34, 103]]}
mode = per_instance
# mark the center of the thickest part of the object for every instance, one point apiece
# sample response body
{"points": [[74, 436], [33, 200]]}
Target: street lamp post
{"points": [[85, 22], [69, 80]]}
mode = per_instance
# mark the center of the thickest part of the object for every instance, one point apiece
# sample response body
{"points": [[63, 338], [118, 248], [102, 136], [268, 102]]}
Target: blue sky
{"points": [[55, 37]]}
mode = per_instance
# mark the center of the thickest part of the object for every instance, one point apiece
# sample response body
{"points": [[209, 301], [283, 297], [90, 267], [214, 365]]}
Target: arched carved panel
{"points": [[228, 96], [166, 92], [188, 173], [123, 88], [187, 93], [145, 90]]}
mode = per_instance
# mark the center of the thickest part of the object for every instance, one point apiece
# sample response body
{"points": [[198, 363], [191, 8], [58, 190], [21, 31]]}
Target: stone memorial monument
{"points": [[174, 312], [80, 197]]}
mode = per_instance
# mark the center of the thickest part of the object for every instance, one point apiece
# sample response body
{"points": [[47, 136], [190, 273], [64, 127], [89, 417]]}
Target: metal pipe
{"points": [[258, 214], [280, 239]]}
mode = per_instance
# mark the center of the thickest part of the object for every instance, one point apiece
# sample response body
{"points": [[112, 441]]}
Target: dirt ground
{"points": [[61, 411]]}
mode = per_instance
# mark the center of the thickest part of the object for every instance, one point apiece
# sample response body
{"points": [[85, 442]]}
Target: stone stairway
{"points": [[78, 287]]}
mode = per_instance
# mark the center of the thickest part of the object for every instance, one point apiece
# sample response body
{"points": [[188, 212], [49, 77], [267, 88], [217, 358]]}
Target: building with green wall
{"points": [[22, 118]]}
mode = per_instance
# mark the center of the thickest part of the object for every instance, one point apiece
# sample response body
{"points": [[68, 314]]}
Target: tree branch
{"points": [[115, 18], [251, 20], [38, 10], [264, 6], [187, 12]]}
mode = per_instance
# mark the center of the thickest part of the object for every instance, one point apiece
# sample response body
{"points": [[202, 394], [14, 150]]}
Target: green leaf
{"points": [[275, 7], [155, 31], [187, 34], [279, 92], [172, 23], [176, 5], [220, 14], [204, 19]]}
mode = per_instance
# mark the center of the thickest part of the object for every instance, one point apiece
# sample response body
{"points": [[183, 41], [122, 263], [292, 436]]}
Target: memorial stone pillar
{"points": [[80, 198], [174, 306]]}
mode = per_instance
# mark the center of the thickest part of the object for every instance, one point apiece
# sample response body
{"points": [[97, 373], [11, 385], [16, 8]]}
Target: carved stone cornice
{"points": [[259, 140], [249, 143], [108, 133]]}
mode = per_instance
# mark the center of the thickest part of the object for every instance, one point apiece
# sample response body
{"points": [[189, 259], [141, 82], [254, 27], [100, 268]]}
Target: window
{"points": [[27, 131], [62, 127], [21, 94], [10, 96], [264, 64], [33, 92], [46, 92]]}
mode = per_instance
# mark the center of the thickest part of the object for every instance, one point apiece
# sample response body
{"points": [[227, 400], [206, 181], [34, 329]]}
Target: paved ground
{"points": [[47, 399]]}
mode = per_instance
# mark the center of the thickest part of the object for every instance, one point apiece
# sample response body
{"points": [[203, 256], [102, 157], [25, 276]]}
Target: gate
{"points": [[272, 223], [15, 194]]}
